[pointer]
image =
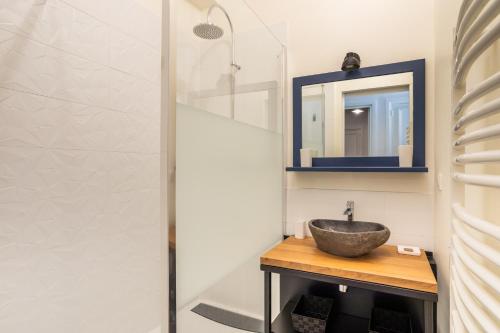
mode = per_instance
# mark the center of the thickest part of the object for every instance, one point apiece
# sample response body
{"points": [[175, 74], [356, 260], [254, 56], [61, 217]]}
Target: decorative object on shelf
{"points": [[352, 61], [306, 157], [405, 156], [311, 314]]}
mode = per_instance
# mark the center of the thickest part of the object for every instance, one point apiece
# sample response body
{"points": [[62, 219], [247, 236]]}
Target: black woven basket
{"points": [[387, 321], [311, 314]]}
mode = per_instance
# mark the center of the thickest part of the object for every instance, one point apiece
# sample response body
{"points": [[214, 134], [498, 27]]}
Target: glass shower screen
{"points": [[229, 168]]}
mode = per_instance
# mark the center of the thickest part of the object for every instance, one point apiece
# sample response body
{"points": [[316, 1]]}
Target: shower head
{"points": [[208, 31]]}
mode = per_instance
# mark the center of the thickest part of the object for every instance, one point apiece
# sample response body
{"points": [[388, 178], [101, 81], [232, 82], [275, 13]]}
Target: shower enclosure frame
{"points": [[168, 159]]}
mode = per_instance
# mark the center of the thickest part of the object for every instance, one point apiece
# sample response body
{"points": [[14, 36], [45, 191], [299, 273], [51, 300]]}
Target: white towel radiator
{"points": [[475, 243]]}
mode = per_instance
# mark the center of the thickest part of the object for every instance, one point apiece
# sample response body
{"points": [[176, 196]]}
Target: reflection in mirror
{"points": [[357, 131], [313, 106], [358, 118], [376, 122]]}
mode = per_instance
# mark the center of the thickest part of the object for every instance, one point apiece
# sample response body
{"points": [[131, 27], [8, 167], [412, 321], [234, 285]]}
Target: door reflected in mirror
{"points": [[357, 131], [358, 118]]}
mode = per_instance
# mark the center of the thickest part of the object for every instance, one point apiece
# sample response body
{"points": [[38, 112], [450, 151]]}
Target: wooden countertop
{"points": [[383, 265]]}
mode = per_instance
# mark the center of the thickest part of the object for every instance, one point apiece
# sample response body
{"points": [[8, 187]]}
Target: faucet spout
{"points": [[349, 210]]}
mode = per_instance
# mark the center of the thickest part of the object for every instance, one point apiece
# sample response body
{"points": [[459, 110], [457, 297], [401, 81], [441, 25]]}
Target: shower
{"points": [[209, 31]]}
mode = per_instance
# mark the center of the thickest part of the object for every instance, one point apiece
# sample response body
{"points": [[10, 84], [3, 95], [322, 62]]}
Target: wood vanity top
{"points": [[383, 265]]}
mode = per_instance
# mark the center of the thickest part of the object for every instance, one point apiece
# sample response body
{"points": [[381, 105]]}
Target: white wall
{"points": [[382, 32], [445, 17], [79, 166]]}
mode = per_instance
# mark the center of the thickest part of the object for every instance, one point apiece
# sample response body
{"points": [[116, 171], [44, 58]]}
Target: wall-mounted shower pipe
{"points": [[209, 30]]}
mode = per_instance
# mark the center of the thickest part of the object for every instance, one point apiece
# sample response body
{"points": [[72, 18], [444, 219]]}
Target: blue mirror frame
{"points": [[372, 163]]}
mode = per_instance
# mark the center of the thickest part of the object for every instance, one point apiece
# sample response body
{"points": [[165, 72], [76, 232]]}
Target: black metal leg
{"points": [[429, 317], [267, 302]]}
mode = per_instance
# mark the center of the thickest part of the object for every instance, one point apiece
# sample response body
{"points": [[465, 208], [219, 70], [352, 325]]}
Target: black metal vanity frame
{"points": [[369, 163], [296, 282]]}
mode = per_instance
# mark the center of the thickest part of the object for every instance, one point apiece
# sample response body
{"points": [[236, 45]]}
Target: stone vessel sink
{"points": [[348, 239]]}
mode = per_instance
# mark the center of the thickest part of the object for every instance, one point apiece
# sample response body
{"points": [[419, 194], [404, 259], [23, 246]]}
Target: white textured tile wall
{"points": [[124, 51], [79, 166], [55, 23], [409, 216]]}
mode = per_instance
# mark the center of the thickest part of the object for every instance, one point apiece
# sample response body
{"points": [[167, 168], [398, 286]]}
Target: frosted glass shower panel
{"points": [[229, 167], [228, 197]]}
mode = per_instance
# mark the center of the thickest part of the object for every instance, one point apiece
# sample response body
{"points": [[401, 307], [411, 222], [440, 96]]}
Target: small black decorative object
{"points": [[352, 61], [311, 314]]}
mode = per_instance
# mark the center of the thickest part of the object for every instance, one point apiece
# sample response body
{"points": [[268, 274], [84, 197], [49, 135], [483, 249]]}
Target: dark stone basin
{"points": [[348, 239]]}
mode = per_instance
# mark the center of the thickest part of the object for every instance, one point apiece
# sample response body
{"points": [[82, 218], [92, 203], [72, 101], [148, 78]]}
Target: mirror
{"points": [[358, 118]]}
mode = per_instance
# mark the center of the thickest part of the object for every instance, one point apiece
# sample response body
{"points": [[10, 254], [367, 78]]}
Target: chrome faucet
{"points": [[349, 210]]}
